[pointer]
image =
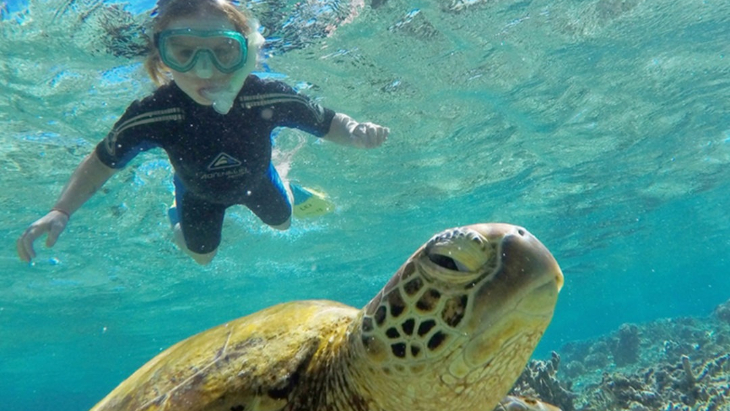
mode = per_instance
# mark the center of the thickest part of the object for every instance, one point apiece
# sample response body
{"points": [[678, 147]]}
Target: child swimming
{"points": [[214, 120]]}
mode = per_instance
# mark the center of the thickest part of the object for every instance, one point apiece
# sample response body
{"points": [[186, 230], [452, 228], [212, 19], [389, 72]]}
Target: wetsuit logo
{"points": [[223, 161], [224, 165]]}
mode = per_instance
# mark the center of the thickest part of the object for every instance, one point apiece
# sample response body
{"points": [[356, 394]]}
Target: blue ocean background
{"points": [[602, 126]]}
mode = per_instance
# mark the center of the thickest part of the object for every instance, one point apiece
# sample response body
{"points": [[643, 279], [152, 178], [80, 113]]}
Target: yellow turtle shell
{"points": [[452, 330]]}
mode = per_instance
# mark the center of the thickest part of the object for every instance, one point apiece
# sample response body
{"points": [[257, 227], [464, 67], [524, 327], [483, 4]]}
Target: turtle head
{"points": [[469, 306]]}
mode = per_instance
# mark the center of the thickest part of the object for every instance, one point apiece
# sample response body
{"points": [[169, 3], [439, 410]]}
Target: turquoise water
{"points": [[603, 127]]}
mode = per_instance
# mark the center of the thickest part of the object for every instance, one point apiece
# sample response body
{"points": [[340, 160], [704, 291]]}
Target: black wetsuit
{"points": [[219, 160]]}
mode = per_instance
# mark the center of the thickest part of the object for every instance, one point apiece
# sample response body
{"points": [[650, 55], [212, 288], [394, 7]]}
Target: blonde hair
{"points": [[170, 10]]}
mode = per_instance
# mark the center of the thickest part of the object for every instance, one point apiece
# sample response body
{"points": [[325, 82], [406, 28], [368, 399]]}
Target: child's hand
{"points": [[369, 135], [52, 223], [346, 131]]}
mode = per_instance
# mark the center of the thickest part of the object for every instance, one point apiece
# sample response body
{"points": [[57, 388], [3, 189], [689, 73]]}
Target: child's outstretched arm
{"points": [[346, 131], [89, 176]]}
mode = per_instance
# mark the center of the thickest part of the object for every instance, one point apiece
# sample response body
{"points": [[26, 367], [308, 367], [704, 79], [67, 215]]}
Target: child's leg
{"points": [[283, 226], [201, 259], [269, 200], [197, 224]]}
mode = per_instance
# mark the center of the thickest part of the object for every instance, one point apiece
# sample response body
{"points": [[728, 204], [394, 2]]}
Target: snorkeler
{"points": [[214, 120]]}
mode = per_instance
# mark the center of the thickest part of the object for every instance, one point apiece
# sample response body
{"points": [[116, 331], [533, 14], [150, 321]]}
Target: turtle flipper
{"points": [[512, 403]]}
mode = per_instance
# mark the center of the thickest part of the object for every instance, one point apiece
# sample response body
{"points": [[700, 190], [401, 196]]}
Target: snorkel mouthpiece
{"points": [[224, 98]]}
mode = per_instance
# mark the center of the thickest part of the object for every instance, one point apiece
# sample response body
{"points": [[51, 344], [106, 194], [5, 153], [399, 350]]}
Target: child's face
{"points": [[204, 77]]}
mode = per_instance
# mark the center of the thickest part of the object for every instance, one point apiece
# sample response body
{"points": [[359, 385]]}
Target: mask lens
{"points": [[179, 51], [227, 51]]}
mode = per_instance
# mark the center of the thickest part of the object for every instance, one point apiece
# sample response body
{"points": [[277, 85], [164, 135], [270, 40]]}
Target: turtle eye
{"points": [[457, 250], [447, 262]]}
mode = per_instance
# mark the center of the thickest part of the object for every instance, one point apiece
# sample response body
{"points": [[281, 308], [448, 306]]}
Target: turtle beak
{"points": [[514, 305], [526, 282], [524, 256]]}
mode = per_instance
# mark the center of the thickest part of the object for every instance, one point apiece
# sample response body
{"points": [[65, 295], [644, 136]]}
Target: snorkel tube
{"points": [[224, 98]]}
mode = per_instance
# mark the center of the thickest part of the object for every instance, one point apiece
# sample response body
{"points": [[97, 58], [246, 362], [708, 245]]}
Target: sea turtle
{"points": [[451, 330]]}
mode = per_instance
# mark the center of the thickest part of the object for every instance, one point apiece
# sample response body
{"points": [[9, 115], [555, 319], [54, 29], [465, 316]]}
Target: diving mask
{"points": [[180, 49]]}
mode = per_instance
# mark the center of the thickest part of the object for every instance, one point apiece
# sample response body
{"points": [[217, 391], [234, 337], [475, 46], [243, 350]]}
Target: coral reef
{"points": [[722, 312], [626, 348], [666, 387], [539, 380], [680, 364]]}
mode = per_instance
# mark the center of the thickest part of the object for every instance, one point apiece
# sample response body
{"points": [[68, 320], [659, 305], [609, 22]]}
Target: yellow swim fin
{"points": [[309, 203]]}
